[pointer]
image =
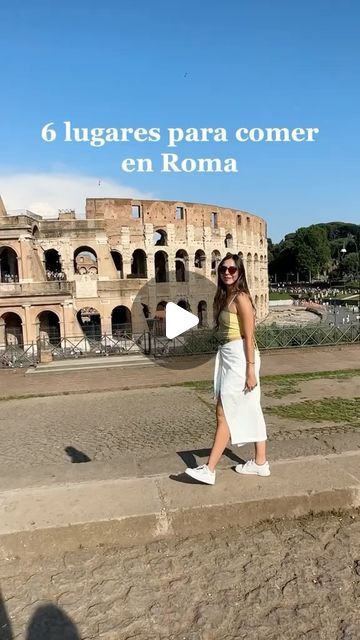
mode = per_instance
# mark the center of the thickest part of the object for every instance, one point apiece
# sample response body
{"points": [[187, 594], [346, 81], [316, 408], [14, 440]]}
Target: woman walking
{"points": [[239, 415]]}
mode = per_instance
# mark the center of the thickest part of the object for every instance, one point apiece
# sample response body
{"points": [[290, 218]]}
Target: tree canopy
{"points": [[316, 250]]}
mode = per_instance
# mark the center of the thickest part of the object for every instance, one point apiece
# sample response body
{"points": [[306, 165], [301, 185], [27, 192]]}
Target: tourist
{"points": [[239, 415]]}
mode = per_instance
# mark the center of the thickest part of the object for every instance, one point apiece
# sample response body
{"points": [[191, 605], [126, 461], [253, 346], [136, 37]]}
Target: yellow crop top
{"points": [[230, 325]]}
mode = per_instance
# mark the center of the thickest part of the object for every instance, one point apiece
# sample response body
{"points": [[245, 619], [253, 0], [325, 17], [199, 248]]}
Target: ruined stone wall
{"points": [[112, 235]]}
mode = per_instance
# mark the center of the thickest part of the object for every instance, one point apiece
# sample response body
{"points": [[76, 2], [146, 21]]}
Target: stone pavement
{"points": [[132, 510], [156, 558], [284, 580], [126, 548], [151, 427]]}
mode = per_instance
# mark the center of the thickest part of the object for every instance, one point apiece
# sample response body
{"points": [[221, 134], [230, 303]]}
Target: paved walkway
{"points": [[126, 547], [285, 580], [16, 382], [153, 428], [129, 510], [185, 561]]}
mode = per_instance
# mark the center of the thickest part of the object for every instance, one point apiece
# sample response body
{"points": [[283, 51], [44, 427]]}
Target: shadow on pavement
{"points": [[5, 624], [189, 457], [48, 622], [185, 479], [51, 623], [190, 460], [76, 455]]}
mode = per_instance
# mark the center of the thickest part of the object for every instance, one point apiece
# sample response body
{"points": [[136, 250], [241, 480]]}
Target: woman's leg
{"points": [[221, 438], [260, 452]]}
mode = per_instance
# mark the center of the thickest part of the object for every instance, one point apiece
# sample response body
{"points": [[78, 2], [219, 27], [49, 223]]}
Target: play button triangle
{"points": [[177, 320]]}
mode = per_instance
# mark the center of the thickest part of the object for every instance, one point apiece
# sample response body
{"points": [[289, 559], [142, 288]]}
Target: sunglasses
{"points": [[231, 270]]}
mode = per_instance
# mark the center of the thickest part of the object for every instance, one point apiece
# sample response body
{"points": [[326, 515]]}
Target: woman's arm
{"points": [[246, 312]]}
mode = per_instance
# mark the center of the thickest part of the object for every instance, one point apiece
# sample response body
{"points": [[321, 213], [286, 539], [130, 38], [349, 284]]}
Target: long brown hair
{"points": [[240, 286]]}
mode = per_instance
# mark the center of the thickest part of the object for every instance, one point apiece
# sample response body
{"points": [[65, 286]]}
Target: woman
{"points": [[239, 415]]}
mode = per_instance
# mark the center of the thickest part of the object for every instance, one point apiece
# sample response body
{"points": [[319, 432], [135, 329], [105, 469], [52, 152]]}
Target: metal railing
{"points": [[198, 341], [12, 356], [98, 345], [282, 337], [204, 341]]}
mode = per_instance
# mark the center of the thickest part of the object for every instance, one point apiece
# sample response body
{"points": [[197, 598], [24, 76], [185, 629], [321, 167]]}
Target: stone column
{"points": [[71, 328], [106, 324], [29, 329], [2, 332]]}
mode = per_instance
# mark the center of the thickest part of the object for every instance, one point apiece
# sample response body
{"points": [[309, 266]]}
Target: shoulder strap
{"points": [[232, 300]]}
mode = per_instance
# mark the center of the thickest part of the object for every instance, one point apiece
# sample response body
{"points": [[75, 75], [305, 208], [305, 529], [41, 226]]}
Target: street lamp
{"points": [[351, 238]]}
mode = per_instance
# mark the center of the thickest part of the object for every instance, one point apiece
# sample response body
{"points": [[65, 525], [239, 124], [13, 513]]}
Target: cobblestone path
{"points": [[103, 425], [108, 425], [288, 580]]}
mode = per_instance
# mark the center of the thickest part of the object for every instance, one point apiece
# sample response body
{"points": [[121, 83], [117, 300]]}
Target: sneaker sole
{"points": [[253, 473], [195, 477]]}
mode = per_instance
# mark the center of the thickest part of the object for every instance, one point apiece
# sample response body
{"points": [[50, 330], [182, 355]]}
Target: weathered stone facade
{"points": [[58, 276]]}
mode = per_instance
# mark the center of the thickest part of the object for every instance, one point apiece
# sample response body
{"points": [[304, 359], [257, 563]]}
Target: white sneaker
{"points": [[202, 473], [250, 467]]}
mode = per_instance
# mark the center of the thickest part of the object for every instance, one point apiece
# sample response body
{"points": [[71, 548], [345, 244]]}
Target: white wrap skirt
{"points": [[242, 408]]}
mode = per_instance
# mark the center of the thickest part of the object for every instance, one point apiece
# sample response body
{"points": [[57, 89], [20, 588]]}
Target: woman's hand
{"points": [[250, 381]]}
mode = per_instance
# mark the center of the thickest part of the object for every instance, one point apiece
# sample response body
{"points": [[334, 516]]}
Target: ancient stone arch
{"points": [[11, 329], [85, 261], [8, 265]]}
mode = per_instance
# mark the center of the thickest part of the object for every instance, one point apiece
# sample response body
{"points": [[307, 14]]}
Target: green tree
{"points": [[349, 265], [312, 250]]}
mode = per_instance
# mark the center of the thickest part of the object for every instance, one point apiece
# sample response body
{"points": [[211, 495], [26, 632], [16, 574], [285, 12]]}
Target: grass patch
{"points": [[280, 388], [281, 295], [282, 384], [328, 409], [198, 385], [340, 374]]}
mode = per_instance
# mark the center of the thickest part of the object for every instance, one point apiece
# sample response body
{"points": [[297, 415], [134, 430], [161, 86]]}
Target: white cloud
{"points": [[46, 193]]}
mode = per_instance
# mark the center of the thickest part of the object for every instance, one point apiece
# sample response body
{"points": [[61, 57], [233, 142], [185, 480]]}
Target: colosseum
{"points": [[69, 277]]}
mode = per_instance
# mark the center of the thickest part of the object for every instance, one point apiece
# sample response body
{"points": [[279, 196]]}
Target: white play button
{"points": [[177, 320]]}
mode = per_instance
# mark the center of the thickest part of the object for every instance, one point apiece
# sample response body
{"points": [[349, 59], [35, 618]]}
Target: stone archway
{"points": [[256, 268], [121, 320], [160, 238], [159, 320], [202, 313], [90, 322], [53, 268], [8, 265], [181, 266], [161, 267], [228, 241], [11, 330], [138, 264], [118, 262], [184, 304], [48, 328], [215, 259], [249, 269], [85, 261], [200, 259]]}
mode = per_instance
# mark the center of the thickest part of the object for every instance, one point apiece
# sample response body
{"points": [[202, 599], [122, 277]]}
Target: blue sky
{"points": [[234, 63]]}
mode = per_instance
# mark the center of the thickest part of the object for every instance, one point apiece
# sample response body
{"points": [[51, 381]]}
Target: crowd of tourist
{"points": [[313, 292], [55, 275], [9, 278]]}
